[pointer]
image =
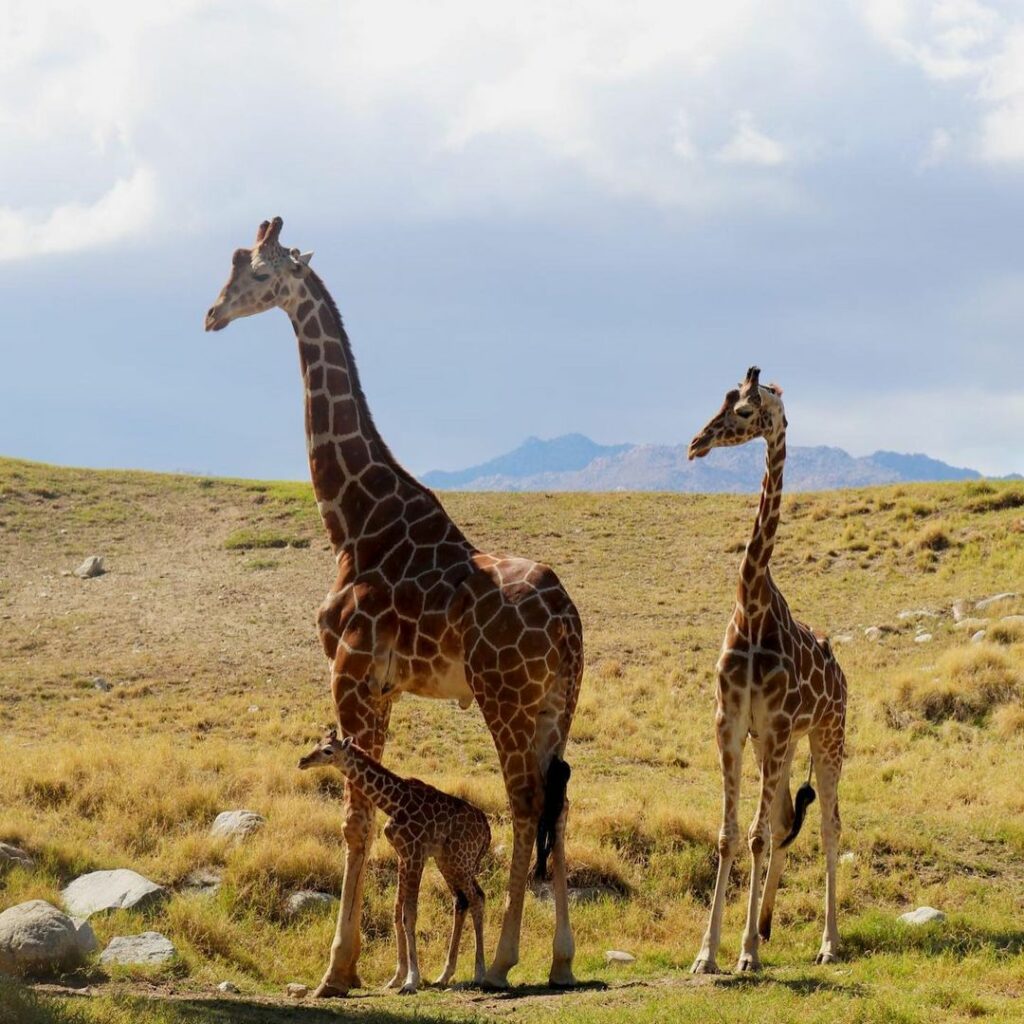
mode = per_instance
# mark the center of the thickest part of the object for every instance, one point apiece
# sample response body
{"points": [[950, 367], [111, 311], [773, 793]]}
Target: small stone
{"points": [[917, 613], [92, 566], [923, 915], [146, 949], [847, 858], [962, 608], [1013, 620], [297, 991], [99, 683], [306, 900], [237, 824], [987, 602], [229, 987], [87, 941], [842, 638], [253, 708], [618, 956], [12, 857], [923, 638], [205, 881], [873, 633], [976, 638], [110, 890]]}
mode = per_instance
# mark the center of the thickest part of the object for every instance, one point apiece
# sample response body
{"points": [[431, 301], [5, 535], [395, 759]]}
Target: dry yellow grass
{"points": [[219, 683]]}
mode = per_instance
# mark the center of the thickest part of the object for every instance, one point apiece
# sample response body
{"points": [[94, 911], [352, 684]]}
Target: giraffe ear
{"points": [[304, 258], [346, 743]]}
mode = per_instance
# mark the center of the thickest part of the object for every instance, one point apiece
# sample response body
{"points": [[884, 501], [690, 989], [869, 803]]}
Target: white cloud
{"points": [[750, 146], [939, 148], [126, 209]]}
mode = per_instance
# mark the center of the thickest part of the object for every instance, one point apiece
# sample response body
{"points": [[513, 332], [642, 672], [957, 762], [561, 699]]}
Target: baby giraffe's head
{"points": [[751, 410], [330, 750]]}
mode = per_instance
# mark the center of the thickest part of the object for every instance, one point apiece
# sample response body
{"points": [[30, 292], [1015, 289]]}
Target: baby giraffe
{"points": [[424, 823], [777, 681]]}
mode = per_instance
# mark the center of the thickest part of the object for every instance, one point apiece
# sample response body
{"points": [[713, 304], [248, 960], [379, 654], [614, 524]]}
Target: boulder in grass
{"points": [[923, 915], [305, 901], [149, 949], [36, 938], [120, 889], [237, 824], [618, 956], [980, 606], [12, 857]]}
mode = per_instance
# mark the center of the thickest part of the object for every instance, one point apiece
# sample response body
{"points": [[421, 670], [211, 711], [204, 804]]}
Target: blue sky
{"points": [[536, 218]]}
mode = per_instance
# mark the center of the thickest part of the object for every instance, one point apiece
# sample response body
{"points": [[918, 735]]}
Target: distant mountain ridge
{"points": [[574, 462]]}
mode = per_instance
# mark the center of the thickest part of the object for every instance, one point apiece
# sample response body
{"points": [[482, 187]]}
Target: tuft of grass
{"points": [[248, 539], [970, 683], [933, 537]]}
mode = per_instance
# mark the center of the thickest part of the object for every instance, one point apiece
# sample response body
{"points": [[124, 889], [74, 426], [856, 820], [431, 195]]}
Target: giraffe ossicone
{"points": [[423, 823], [778, 681], [416, 608]]}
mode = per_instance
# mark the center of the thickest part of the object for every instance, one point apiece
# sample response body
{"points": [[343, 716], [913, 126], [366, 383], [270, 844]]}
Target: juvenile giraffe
{"points": [[416, 608], [777, 681], [424, 823]]}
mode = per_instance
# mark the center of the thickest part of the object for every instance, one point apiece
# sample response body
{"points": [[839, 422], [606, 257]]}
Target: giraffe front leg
{"points": [[402, 968], [758, 838], [730, 738], [364, 718]]}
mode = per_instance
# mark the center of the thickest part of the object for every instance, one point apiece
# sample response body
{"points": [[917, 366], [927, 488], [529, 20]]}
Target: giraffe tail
{"points": [[555, 784], [804, 798]]}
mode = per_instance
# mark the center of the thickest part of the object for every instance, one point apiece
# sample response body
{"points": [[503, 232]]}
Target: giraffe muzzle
{"points": [[215, 322]]}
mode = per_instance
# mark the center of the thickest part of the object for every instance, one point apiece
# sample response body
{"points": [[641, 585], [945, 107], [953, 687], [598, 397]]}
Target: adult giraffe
{"points": [[777, 681], [416, 608]]}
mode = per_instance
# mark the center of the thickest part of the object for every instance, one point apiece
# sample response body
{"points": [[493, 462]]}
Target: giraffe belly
{"points": [[448, 682]]}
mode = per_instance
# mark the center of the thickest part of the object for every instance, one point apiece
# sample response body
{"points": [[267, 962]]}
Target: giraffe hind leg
{"points": [[782, 822]]}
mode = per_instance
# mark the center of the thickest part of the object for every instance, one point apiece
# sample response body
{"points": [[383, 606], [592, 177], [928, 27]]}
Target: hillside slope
{"points": [[203, 627]]}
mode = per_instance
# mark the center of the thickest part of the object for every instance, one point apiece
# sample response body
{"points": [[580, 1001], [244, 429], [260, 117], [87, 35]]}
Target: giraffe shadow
{"points": [[804, 986], [523, 991]]}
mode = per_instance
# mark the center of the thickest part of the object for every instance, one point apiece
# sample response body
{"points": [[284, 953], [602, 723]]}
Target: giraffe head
{"points": [[330, 750], [751, 410], [262, 277]]}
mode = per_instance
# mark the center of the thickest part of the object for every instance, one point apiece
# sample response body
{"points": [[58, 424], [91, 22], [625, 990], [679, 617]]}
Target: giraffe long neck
{"points": [[755, 577], [351, 466], [383, 788]]}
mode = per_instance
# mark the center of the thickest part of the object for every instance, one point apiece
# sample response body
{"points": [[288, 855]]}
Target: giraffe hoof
{"points": [[704, 965], [408, 989], [441, 982], [325, 991], [748, 965], [825, 958], [494, 983]]}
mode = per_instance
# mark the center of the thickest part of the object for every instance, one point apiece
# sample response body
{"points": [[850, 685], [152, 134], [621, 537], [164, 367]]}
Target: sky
{"points": [[536, 218]]}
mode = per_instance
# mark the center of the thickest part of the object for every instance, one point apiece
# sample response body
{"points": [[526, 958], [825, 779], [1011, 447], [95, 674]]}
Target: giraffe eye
{"points": [[261, 277], [745, 413]]}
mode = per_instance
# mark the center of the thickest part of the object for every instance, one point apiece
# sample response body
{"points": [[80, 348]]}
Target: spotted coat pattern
{"points": [[416, 608], [778, 681], [424, 823]]}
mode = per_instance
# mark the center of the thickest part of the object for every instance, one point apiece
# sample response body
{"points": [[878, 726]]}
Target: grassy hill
{"points": [[204, 627]]}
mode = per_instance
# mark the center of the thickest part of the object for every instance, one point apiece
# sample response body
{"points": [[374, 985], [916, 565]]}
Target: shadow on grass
{"points": [[522, 991], [807, 986], [954, 937]]}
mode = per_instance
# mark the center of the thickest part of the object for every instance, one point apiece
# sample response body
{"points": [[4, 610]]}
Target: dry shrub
{"points": [[1008, 720], [971, 683], [1006, 632], [997, 502], [932, 538]]}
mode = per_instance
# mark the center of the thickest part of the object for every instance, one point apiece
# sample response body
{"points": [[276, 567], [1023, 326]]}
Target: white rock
{"points": [[11, 856], [110, 890], [99, 683], [841, 638], [297, 991], [962, 608], [873, 633], [306, 900], [228, 986], [980, 606], [87, 941], [92, 566], [923, 638], [1013, 620], [917, 613], [618, 956], [971, 622], [205, 881], [146, 948], [976, 638], [237, 824], [923, 915], [847, 858], [35, 936]]}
